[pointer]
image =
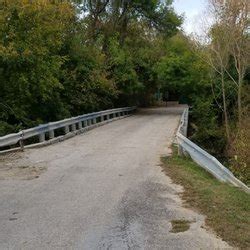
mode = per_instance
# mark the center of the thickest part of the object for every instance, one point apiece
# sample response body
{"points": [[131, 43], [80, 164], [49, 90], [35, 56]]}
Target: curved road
{"points": [[103, 189]]}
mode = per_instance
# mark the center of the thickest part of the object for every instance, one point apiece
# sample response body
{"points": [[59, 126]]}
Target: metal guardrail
{"points": [[69, 125], [202, 158], [183, 123]]}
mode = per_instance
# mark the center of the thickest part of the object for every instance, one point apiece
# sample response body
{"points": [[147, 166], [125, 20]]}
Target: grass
{"points": [[227, 208], [180, 226]]}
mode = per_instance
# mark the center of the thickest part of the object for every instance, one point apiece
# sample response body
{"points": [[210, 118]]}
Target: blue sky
{"points": [[192, 10]]}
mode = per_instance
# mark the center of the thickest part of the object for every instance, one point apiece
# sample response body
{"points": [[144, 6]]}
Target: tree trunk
{"points": [[225, 105], [239, 100]]}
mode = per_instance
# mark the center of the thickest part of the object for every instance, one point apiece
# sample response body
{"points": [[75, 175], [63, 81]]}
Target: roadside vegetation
{"points": [[64, 58], [226, 207]]}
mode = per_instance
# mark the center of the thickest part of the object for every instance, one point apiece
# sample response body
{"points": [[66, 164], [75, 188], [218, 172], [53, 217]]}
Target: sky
{"points": [[193, 11]]}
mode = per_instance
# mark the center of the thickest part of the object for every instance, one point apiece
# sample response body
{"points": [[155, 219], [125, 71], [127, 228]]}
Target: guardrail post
{"points": [[73, 127], [66, 129], [180, 150], [102, 118], [21, 144], [94, 120], [85, 123], [89, 122], [42, 137], [51, 134], [108, 117], [79, 125]]}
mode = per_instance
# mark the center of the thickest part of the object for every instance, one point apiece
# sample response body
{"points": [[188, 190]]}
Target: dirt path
{"points": [[100, 190]]}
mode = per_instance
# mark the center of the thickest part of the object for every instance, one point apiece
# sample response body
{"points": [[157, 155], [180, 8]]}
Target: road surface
{"points": [[103, 189]]}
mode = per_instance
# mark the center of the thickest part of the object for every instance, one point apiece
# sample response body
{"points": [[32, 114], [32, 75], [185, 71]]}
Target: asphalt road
{"points": [[103, 189]]}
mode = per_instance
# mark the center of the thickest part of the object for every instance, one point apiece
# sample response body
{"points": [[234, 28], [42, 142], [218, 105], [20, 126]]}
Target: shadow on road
{"points": [[162, 110]]}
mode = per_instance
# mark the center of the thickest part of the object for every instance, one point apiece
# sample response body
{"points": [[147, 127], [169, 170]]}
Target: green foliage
{"points": [[181, 71], [204, 126], [87, 87], [31, 36], [122, 70]]}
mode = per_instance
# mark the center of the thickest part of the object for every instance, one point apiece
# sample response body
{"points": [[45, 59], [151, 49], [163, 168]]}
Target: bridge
{"points": [[102, 189]]}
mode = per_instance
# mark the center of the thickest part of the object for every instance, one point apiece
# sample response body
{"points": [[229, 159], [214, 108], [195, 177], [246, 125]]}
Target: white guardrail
{"points": [[202, 158], [70, 126]]}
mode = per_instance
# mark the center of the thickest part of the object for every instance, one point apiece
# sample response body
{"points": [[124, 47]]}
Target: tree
{"points": [[232, 22], [31, 35], [227, 53], [109, 16], [218, 57]]}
